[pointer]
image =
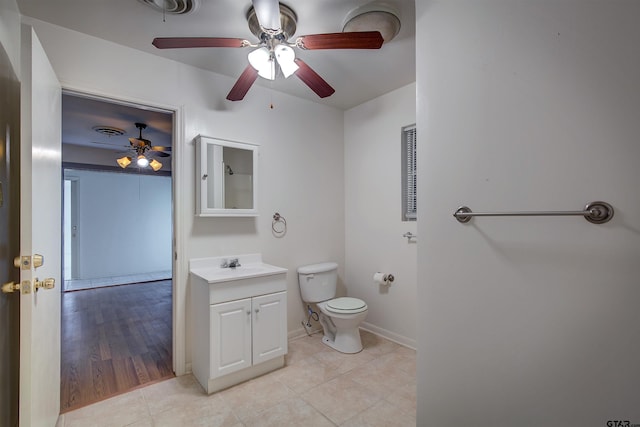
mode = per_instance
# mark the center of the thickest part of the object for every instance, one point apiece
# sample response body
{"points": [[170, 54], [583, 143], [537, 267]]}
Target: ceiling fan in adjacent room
{"points": [[274, 24], [143, 152]]}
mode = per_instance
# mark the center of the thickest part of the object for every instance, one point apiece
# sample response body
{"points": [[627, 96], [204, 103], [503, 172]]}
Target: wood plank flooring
{"points": [[114, 339]]}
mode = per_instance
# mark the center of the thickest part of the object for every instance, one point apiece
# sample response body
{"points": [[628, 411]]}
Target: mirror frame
{"points": [[202, 143]]}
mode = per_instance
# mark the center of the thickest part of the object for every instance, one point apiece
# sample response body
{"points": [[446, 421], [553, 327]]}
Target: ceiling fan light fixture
{"points": [[155, 165], [142, 161], [123, 162], [286, 59], [263, 62]]}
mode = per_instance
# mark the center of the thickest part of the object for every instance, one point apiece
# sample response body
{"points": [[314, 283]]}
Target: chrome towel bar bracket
{"points": [[594, 212]]}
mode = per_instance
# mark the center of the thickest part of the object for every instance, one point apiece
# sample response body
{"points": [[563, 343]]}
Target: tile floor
{"points": [[80, 284], [317, 387]]}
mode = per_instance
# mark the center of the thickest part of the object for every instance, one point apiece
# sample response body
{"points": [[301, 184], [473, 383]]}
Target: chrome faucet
{"points": [[230, 263]]}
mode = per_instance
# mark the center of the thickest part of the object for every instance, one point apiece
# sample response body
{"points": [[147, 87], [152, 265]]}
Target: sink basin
{"points": [[250, 266]]}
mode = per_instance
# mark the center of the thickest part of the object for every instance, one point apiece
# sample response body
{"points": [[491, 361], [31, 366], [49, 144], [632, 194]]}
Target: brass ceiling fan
{"points": [[143, 152], [274, 24]]}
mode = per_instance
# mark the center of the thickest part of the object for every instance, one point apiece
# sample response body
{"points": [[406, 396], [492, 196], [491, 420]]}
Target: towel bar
{"points": [[594, 212]]}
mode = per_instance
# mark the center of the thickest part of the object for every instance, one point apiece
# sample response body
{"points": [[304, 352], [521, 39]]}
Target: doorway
{"points": [[117, 248]]}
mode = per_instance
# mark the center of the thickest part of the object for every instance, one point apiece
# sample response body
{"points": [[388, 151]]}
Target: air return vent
{"points": [[108, 130], [173, 7]]}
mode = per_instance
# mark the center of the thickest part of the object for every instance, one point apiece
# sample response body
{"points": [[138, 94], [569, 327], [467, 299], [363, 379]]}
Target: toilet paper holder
{"points": [[383, 278]]}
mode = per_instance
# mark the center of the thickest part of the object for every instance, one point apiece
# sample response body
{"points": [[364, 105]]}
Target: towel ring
{"points": [[278, 230]]}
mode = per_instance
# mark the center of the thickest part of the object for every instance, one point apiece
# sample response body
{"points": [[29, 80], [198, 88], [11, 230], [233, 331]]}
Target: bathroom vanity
{"points": [[239, 319]]}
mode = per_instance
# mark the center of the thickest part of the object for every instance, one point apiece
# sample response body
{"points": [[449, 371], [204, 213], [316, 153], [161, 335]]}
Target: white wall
{"points": [[124, 223], [10, 32], [301, 169], [527, 105], [373, 212]]}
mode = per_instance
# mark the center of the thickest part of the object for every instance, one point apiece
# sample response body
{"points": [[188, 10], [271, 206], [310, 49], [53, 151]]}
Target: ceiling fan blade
{"points": [[268, 14], [242, 86], [352, 40], [160, 154], [160, 148], [186, 42], [313, 80], [139, 142]]}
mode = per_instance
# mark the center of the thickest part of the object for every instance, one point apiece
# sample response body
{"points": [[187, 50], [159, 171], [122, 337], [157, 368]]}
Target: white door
{"points": [[40, 221], [230, 337], [269, 326]]}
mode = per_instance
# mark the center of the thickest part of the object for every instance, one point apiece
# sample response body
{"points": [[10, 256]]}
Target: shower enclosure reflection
{"points": [[227, 175]]}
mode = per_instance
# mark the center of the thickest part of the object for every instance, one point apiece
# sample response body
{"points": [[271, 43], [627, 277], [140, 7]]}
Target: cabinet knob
{"points": [[248, 312], [257, 310]]}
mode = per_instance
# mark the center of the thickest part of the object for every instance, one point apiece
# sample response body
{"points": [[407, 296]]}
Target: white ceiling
{"points": [[357, 75], [81, 114]]}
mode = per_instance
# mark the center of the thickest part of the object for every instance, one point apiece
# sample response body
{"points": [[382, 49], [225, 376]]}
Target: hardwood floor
{"points": [[114, 339]]}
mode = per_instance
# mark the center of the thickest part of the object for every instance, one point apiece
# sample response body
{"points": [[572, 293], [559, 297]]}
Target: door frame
{"points": [[73, 220], [178, 181]]}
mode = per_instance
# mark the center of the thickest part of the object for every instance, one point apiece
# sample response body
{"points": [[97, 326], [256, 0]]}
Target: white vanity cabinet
{"points": [[247, 332], [239, 323]]}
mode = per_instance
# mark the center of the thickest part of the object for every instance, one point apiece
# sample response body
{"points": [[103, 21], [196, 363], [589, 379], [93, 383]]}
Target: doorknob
{"points": [[48, 283], [10, 287]]}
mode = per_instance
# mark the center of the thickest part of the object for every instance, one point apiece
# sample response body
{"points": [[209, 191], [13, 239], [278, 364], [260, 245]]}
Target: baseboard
{"points": [[391, 336], [301, 332]]}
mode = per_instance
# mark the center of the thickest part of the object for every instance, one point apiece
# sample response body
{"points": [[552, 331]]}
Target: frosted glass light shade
{"points": [[155, 165], [263, 62], [286, 56], [124, 161], [142, 161]]}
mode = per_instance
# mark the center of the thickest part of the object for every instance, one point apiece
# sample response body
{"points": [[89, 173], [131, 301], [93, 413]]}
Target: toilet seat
{"points": [[346, 305]]}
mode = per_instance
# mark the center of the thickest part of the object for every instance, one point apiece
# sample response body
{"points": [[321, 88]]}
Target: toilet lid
{"points": [[346, 305]]}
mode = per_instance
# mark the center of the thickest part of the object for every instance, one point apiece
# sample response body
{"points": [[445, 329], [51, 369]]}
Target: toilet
{"points": [[340, 317]]}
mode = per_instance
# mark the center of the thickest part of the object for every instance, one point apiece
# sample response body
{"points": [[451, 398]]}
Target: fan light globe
{"points": [[261, 60], [142, 161], [155, 165], [124, 161], [286, 56]]}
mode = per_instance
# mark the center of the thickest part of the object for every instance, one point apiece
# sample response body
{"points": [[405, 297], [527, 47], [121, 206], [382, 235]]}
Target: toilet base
{"points": [[348, 342]]}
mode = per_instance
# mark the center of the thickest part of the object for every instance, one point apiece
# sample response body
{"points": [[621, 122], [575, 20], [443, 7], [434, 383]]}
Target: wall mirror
{"points": [[226, 177]]}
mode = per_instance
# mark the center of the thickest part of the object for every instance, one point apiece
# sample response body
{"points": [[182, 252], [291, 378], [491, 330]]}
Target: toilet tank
{"points": [[318, 281]]}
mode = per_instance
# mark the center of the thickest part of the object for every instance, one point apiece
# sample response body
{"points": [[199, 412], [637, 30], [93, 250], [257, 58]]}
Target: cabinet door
{"points": [[269, 326], [230, 337]]}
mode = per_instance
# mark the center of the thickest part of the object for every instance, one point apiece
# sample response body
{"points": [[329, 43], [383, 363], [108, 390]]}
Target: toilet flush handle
{"points": [[310, 276]]}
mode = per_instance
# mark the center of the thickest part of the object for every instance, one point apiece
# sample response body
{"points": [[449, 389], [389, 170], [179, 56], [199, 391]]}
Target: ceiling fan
{"points": [[273, 24], [144, 152]]}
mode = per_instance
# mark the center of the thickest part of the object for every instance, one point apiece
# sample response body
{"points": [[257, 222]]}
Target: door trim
{"points": [[179, 181]]}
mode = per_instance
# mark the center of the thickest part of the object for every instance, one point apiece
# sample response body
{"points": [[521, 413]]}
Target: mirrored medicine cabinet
{"points": [[226, 177]]}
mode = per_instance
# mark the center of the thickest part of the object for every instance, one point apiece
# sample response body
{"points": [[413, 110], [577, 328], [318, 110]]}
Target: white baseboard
{"points": [[301, 332], [391, 336]]}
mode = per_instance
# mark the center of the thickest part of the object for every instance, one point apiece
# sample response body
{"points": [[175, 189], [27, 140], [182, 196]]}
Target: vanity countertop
{"points": [[210, 270]]}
